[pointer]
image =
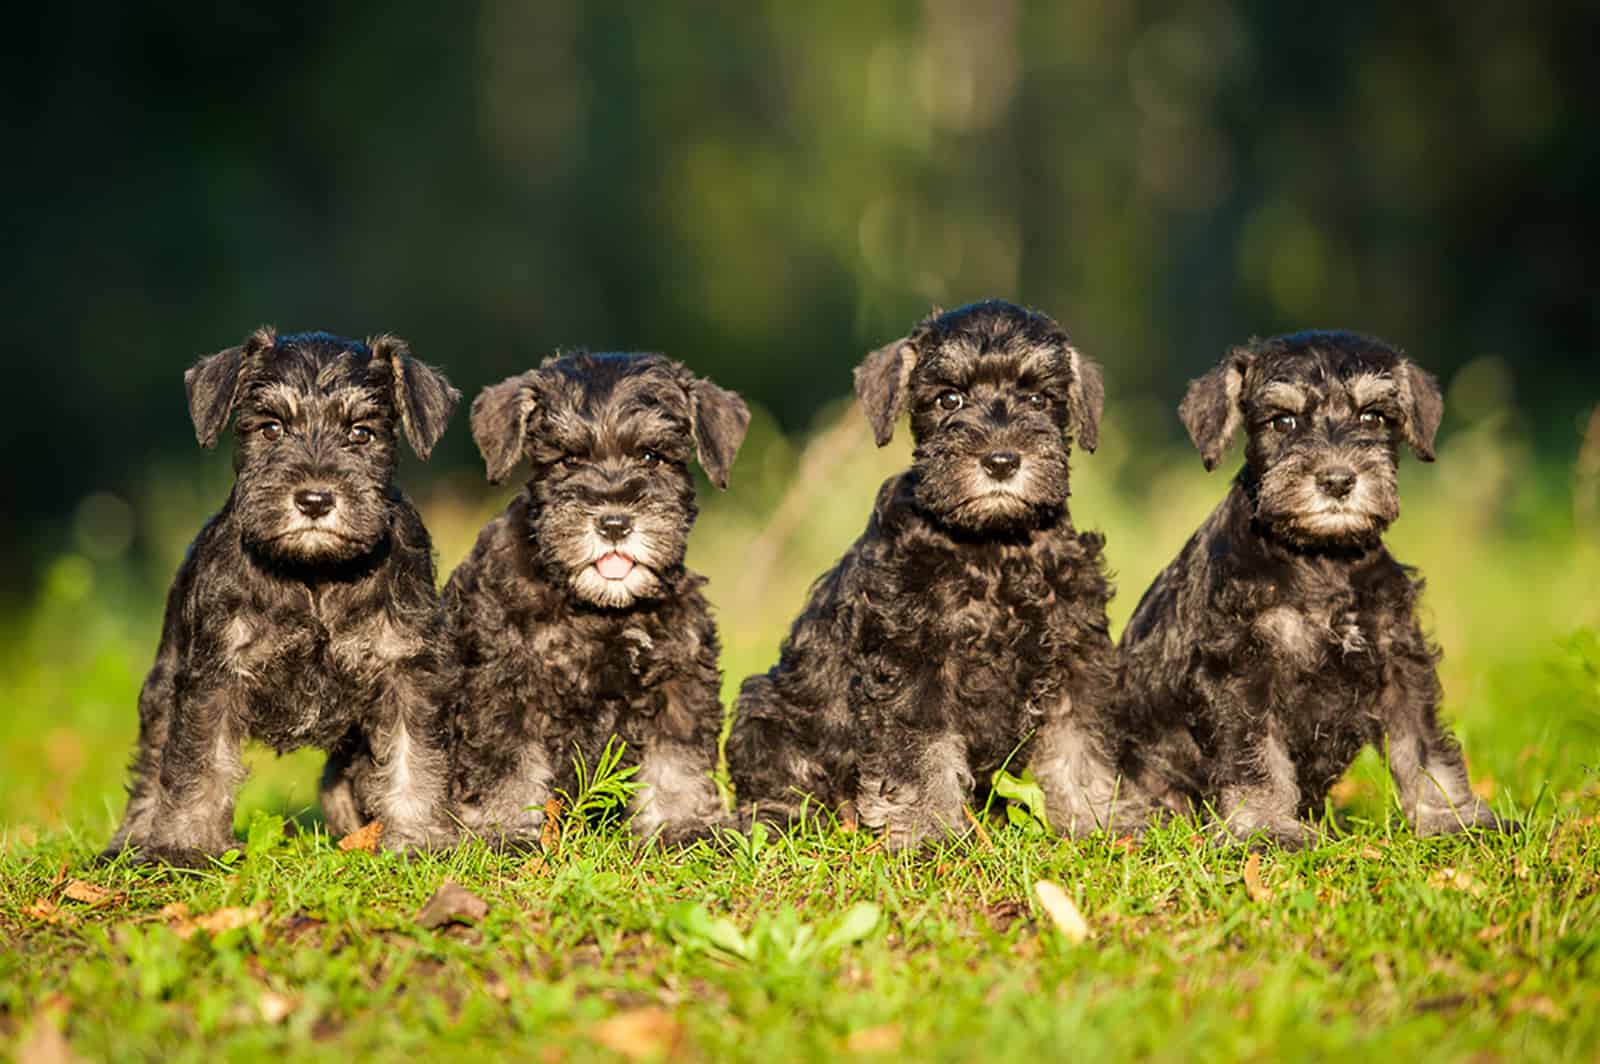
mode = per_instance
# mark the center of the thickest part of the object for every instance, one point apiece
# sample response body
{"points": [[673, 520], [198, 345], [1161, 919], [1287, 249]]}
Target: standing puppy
{"points": [[574, 616], [1284, 638], [968, 617], [305, 613]]}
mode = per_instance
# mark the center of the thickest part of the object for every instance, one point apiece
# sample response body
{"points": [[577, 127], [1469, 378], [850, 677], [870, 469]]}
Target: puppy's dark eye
{"points": [[649, 457], [1373, 419], [271, 431], [1037, 400], [360, 435], [950, 400], [1284, 422]]}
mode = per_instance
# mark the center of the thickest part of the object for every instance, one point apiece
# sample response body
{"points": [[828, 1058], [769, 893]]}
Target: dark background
{"points": [[765, 189]]}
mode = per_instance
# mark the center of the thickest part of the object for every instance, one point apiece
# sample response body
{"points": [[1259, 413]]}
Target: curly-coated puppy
{"points": [[305, 613], [968, 617], [574, 616], [1284, 637]]}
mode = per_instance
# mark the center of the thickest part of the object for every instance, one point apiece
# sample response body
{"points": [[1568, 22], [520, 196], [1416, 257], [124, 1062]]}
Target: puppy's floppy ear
{"points": [[1086, 400], [718, 419], [422, 396], [500, 416], [1210, 408], [1422, 404], [881, 383], [212, 385]]}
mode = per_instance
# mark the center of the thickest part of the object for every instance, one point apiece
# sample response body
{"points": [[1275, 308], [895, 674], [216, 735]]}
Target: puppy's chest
{"points": [[305, 682], [1332, 644], [584, 670]]}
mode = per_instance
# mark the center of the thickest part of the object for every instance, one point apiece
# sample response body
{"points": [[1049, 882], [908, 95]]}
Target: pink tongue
{"points": [[614, 566]]}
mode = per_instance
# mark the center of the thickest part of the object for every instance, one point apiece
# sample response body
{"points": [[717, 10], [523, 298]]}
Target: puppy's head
{"points": [[318, 425], [996, 393], [610, 437], [1325, 413]]}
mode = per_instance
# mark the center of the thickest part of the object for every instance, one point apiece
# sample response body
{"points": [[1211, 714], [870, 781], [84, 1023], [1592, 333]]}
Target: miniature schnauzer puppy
{"points": [[305, 613], [1284, 637], [967, 618], [574, 617]]}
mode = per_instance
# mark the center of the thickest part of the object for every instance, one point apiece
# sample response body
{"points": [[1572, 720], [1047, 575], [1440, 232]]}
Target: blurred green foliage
{"points": [[765, 190]]}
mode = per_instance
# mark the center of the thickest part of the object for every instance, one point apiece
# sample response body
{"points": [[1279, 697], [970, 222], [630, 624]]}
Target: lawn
{"points": [[819, 944]]}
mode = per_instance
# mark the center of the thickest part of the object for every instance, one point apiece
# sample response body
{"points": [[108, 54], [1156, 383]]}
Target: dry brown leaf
{"points": [[452, 903], [44, 1043], [884, 1038], [1455, 879], [534, 866], [983, 834], [1490, 933], [1538, 1004], [212, 923], [90, 894], [1127, 844], [1062, 911], [550, 834], [1257, 890], [1484, 788], [1371, 853], [274, 1007], [45, 910], [639, 1034], [365, 838]]}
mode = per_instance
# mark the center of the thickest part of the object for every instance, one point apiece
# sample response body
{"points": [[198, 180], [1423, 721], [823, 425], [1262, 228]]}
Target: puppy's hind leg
{"points": [[774, 756], [341, 810]]}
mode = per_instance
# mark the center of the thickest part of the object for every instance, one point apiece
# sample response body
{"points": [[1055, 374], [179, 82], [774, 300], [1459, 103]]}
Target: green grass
{"points": [[818, 944]]}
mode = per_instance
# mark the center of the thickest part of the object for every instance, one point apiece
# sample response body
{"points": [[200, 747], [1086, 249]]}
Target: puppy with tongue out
{"points": [[574, 617]]}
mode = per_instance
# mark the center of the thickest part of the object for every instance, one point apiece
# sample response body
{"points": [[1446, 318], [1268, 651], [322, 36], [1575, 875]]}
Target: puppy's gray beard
{"points": [[1304, 514], [306, 541], [989, 504]]}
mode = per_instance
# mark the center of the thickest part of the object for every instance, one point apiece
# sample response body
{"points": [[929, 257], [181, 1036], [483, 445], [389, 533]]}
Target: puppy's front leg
{"points": [[915, 790], [1425, 760], [1081, 787], [410, 767], [200, 771], [1261, 797], [144, 788]]}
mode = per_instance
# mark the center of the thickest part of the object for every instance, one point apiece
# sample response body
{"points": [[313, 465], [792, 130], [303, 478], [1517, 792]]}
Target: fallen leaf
{"points": [[983, 834], [1455, 879], [89, 894], [1257, 890], [44, 1043], [212, 923], [45, 910], [1538, 1004], [452, 903], [885, 1038], [365, 838], [550, 834], [1061, 910], [1371, 853], [1490, 933], [1127, 844], [1484, 788], [274, 1007], [534, 866], [639, 1034]]}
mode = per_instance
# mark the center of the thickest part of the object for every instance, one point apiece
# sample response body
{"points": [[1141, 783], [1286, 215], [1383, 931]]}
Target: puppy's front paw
{"points": [[1260, 834], [1475, 817]]}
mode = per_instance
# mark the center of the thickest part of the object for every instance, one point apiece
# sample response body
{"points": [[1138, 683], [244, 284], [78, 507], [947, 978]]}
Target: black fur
{"points": [[305, 612], [1284, 637], [969, 617], [557, 657]]}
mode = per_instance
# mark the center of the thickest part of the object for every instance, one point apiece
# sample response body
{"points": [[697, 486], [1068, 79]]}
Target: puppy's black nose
{"points": [[1001, 464], [1336, 483], [614, 526], [313, 503]]}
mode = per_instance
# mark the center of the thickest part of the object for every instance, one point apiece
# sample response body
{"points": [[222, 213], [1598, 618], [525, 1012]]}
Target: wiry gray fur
{"points": [[305, 612], [968, 623], [557, 657], [1284, 636]]}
